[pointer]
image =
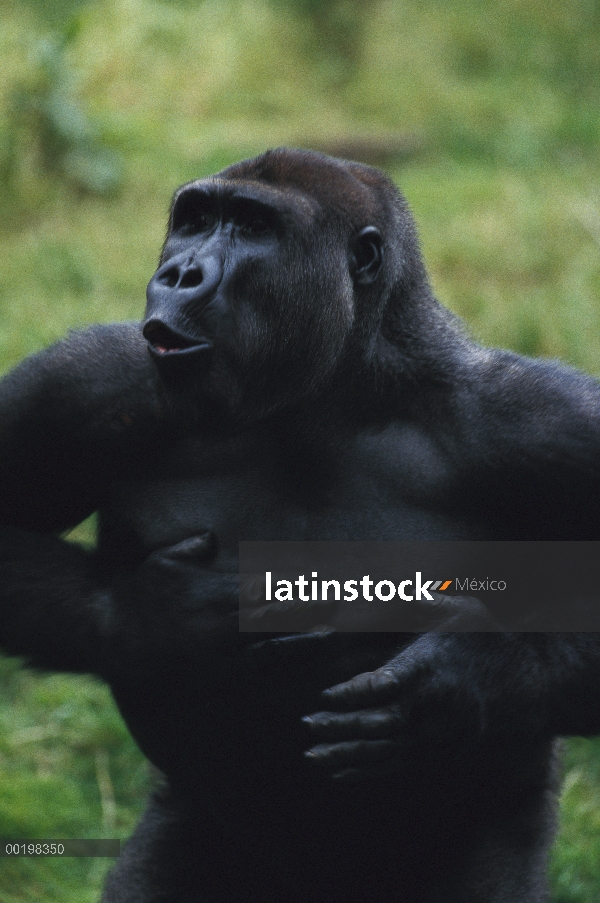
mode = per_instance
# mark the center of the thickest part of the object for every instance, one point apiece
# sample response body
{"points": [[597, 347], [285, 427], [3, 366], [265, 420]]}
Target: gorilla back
{"points": [[295, 379]]}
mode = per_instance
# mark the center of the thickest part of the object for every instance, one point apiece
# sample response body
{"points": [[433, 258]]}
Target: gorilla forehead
{"points": [[350, 192], [293, 206]]}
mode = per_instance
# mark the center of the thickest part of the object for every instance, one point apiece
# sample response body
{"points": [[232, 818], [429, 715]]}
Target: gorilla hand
{"points": [[175, 603], [450, 690]]}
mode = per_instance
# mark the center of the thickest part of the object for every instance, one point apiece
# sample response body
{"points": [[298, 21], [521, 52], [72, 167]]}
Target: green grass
{"points": [[68, 768], [577, 854], [106, 107]]}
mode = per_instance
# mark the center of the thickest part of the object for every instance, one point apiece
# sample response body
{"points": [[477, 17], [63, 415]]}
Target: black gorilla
{"points": [[302, 383]]}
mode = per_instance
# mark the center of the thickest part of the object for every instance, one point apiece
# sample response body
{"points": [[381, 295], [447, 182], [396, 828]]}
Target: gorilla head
{"points": [[272, 251]]}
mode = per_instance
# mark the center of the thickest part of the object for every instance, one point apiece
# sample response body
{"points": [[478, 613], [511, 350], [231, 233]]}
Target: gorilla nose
{"points": [[175, 277], [184, 279]]}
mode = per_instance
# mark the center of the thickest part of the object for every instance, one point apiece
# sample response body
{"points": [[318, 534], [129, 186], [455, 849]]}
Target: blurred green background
{"points": [[487, 115]]}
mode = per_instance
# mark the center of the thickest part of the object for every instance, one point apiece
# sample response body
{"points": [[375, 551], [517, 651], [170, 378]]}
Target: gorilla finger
{"points": [[376, 772], [367, 724], [252, 592], [364, 689], [194, 549], [351, 753], [291, 648]]}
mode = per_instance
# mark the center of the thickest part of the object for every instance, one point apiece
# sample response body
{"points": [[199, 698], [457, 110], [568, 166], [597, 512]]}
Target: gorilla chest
{"points": [[380, 487]]}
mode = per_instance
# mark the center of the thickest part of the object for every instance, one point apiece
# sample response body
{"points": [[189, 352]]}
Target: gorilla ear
{"points": [[365, 256]]}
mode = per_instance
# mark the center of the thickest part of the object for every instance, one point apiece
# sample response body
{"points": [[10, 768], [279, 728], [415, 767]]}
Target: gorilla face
{"points": [[234, 311]]}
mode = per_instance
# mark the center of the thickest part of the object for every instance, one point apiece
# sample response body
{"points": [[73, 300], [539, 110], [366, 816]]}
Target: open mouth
{"points": [[165, 342]]}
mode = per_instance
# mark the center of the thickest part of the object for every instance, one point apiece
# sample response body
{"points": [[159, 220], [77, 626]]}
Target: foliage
{"points": [[106, 106], [48, 114]]}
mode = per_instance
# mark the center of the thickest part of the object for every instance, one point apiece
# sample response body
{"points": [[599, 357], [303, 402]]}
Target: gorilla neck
{"points": [[408, 366]]}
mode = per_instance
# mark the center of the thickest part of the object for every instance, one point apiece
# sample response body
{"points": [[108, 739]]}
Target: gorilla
{"points": [[296, 379]]}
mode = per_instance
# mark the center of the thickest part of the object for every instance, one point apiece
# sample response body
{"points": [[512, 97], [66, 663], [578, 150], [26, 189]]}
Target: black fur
{"points": [[302, 383]]}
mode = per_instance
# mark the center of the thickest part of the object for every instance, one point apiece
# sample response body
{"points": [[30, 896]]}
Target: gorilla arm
{"points": [[69, 416], [532, 455], [465, 688], [528, 450]]}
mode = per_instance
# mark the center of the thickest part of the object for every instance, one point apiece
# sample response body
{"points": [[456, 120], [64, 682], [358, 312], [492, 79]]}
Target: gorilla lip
{"points": [[164, 342]]}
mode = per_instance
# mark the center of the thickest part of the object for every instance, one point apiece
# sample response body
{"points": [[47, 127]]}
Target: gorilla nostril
{"points": [[170, 278], [191, 278], [174, 278]]}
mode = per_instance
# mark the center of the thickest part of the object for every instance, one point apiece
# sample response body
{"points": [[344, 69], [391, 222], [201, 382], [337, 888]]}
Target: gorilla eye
{"points": [[198, 222], [190, 213], [255, 224]]}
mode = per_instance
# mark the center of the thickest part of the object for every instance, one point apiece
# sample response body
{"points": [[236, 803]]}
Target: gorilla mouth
{"points": [[165, 342]]}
